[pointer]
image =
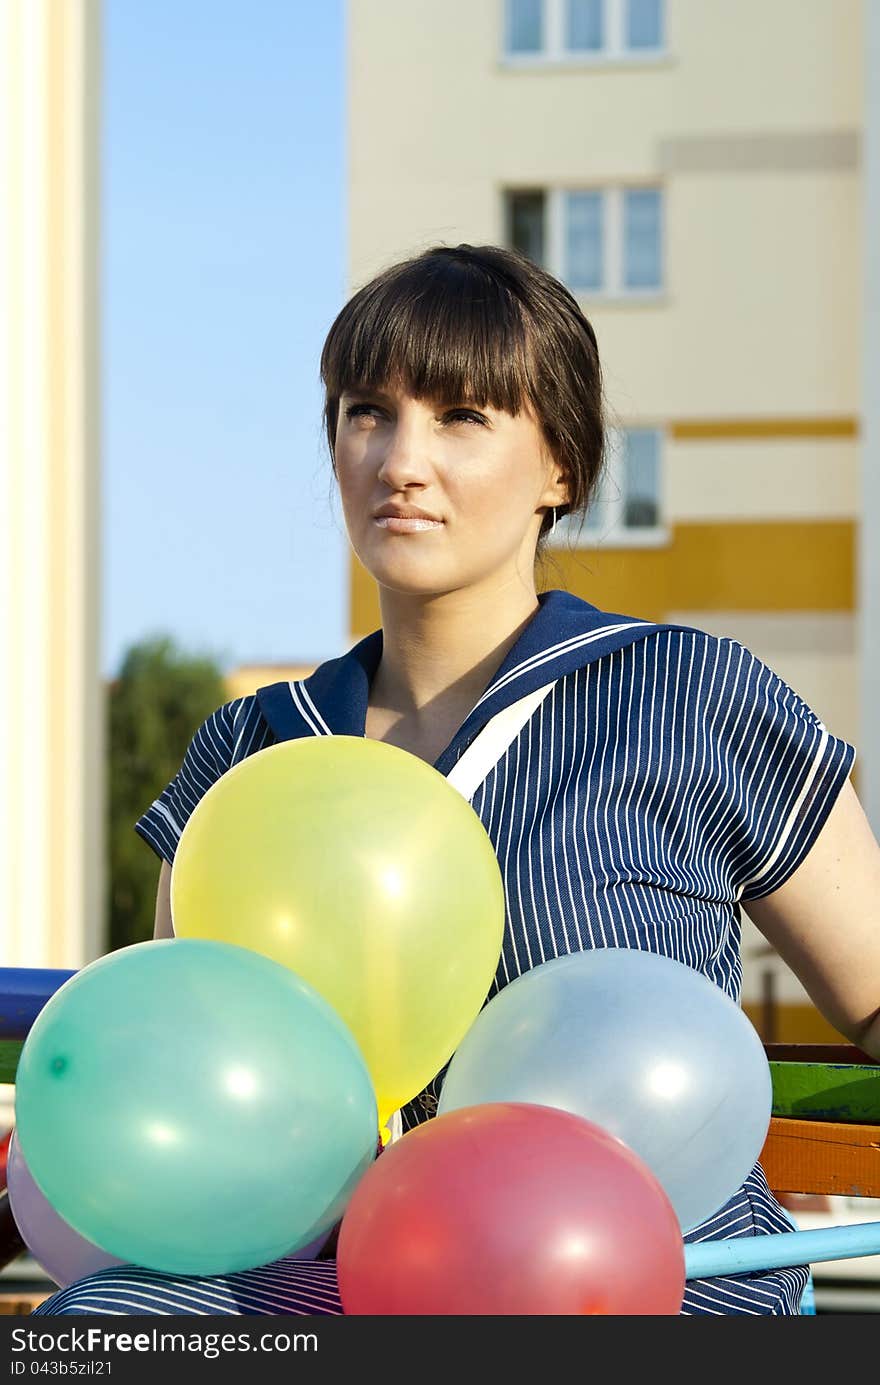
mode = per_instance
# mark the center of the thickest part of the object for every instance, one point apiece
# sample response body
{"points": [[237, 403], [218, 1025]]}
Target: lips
{"points": [[407, 524], [404, 512]]}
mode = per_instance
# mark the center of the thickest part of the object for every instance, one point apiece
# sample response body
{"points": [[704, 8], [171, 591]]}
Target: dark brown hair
{"points": [[482, 323]]}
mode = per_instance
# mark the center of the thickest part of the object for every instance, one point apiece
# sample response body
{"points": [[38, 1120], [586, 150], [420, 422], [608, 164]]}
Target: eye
{"points": [[467, 414]]}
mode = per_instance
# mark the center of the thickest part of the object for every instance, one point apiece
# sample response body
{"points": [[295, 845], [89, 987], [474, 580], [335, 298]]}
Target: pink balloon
{"points": [[57, 1248]]}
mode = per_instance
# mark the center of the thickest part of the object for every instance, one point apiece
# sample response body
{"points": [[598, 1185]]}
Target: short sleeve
{"points": [[208, 755], [781, 768]]}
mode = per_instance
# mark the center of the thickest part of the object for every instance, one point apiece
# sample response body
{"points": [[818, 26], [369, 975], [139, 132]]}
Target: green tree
{"points": [[156, 704]]}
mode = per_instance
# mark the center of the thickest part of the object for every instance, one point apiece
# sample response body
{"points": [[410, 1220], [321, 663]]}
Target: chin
{"points": [[407, 580], [416, 572], [412, 586], [419, 573]]}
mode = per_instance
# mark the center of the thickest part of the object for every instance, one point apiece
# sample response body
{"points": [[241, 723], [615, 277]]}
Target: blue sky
{"points": [[223, 265]]}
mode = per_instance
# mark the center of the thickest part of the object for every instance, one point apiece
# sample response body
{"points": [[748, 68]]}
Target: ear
{"points": [[556, 492]]}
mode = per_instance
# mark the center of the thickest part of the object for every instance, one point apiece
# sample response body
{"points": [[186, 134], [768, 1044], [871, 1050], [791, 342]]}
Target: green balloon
{"points": [[194, 1107]]}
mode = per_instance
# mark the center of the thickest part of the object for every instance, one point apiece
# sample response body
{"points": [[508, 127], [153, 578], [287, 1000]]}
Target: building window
{"points": [[526, 221], [584, 26], [524, 26], [644, 24], [600, 30], [584, 241], [641, 238], [627, 508], [603, 242], [641, 478]]}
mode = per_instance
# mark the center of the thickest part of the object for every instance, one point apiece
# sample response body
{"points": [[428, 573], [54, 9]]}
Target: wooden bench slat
{"points": [[837, 1158]]}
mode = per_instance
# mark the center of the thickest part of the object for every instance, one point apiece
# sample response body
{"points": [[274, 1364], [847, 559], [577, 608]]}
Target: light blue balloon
{"points": [[643, 1046], [194, 1107]]}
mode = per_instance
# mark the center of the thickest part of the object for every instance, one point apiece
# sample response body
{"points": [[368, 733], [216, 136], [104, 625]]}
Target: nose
{"points": [[405, 459]]}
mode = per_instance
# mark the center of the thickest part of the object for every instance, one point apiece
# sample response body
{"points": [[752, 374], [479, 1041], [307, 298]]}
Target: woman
{"points": [[661, 776]]}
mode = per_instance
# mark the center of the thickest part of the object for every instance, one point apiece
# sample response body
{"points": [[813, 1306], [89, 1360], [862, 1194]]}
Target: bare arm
{"points": [[825, 922], [162, 927]]}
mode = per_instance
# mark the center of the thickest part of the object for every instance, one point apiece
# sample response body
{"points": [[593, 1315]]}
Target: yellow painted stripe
{"points": [[689, 430], [781, 566], [244, 681], [364, 615], [795, 1023]]}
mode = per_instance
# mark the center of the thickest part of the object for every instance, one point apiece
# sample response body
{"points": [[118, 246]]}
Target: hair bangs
{"points": [[478, 325], [440, 329]]}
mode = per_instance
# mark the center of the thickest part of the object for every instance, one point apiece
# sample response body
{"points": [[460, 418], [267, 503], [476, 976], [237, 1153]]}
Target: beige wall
{"points": [[784, 478], [51, 705], [752, 125], [750, 322]]}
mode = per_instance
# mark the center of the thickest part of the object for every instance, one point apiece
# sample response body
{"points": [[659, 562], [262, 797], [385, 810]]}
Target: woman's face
{"points": [[484, 477]]}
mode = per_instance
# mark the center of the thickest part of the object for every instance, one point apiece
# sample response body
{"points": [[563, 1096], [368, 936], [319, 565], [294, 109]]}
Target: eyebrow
{"points": [[360, 392]]}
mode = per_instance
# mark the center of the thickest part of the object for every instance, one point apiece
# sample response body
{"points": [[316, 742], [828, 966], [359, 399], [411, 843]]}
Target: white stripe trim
{"points": [[496, 736], [792, 818], [554, 652], [163, 811], [307, 709]]}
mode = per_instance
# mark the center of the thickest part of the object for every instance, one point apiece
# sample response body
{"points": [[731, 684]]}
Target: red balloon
{"points": [[510, 1208]]}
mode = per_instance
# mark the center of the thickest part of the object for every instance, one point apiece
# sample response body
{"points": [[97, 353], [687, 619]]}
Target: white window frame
{"points": [[553, 35], [613, 287], [611, 531]]}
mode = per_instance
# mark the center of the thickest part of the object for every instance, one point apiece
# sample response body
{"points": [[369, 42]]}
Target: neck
{"points": [[439, 652]]}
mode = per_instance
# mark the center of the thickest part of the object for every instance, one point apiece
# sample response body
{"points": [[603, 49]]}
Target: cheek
{"points": [[502, 502], [351, 482]]}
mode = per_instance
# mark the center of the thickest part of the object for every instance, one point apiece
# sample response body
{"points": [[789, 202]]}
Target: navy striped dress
{"points": [[668, 778]]}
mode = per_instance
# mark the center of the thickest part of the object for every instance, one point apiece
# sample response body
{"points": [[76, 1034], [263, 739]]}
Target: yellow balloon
{"points": [[361, 868]]}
